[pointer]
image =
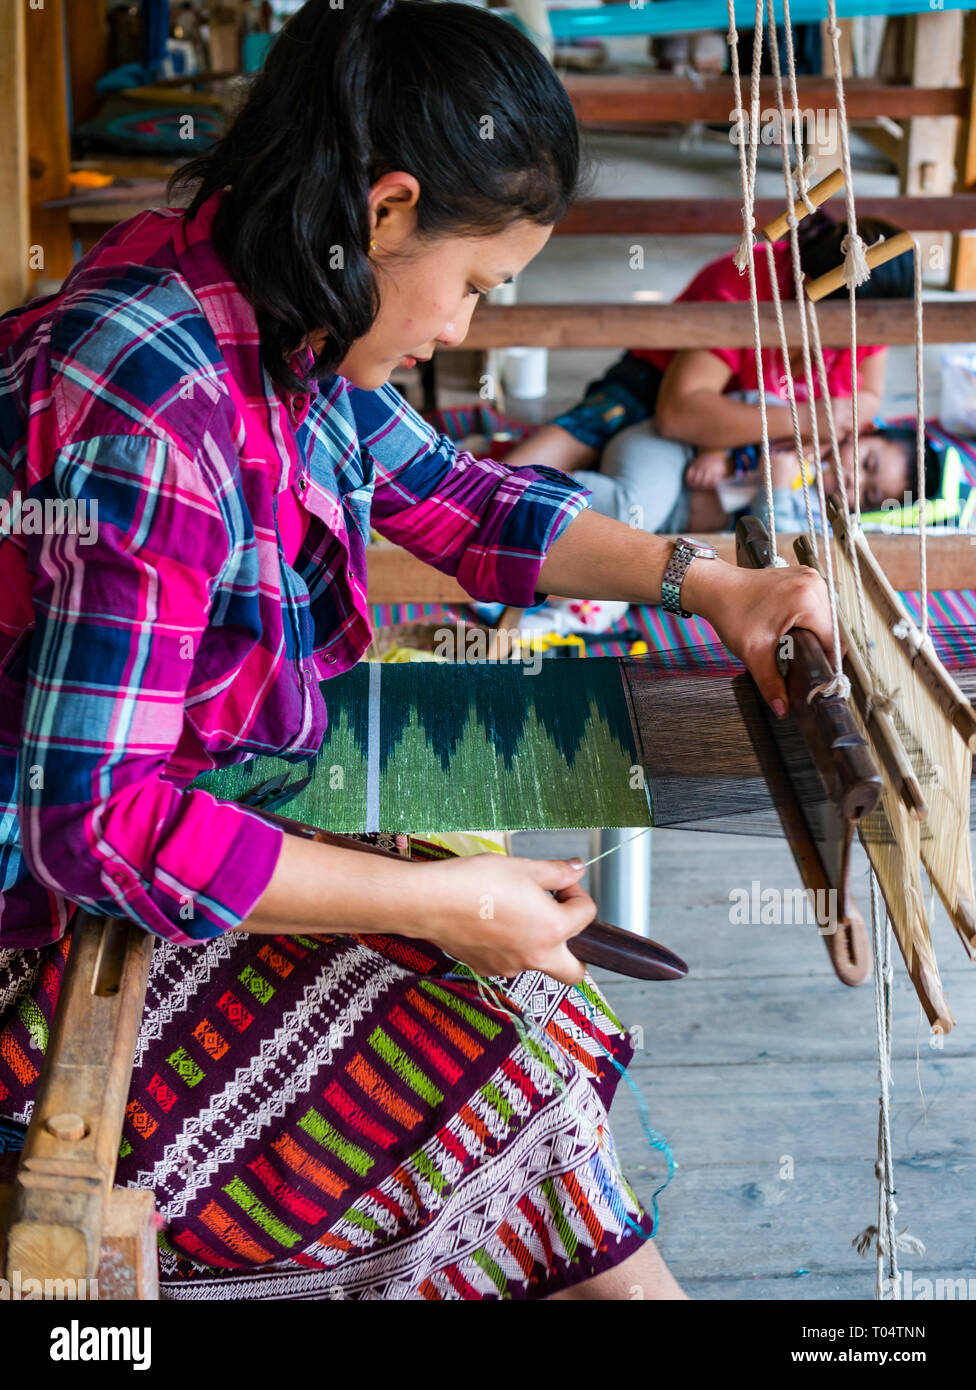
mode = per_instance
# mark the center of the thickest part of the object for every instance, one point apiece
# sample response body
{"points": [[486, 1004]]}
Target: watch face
{"points": [[703, 551]]}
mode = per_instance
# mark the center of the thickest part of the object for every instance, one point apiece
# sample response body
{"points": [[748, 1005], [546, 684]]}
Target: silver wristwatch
{"points": [[684, 552]]}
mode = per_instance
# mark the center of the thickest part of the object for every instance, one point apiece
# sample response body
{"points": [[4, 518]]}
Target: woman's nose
{"points": [[454, 332]]}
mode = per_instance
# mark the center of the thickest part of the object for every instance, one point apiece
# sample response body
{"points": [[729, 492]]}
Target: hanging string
{"points": [[886, 1240], [797, 268], [744, 257], [876, 694], [653, 1137], [856, 269], [804, 168], [839, 683]]}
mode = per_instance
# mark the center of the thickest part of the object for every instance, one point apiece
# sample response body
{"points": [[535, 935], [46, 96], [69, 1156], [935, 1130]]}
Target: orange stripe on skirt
{"points": [[572, 1047], [461, 1040], [377, 1089], [17, 1060], [514, 1245], [308, 1167], [334, 1242], [589, 1216], [233, 1235], [473, 1123]]}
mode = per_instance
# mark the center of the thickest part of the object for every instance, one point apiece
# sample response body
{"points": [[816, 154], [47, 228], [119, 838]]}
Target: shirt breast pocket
{"points": [[357, 498]]}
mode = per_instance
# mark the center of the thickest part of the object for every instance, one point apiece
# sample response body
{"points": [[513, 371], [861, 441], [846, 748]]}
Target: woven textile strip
{"points": [[473, 746], [337, 1117]]}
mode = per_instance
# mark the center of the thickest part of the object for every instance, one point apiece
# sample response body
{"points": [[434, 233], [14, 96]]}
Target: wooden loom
{"points": [[63, 1208], [906, 706]]}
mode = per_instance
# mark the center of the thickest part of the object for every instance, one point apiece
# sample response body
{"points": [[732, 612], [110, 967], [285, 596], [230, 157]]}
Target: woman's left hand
{"points": [[752, 610]]}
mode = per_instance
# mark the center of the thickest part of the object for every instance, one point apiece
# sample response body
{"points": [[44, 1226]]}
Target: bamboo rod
{"points": [[818, 194], [875, 255]]}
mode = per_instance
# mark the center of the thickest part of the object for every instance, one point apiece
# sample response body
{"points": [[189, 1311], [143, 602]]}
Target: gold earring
{"points": [[372, 245]]}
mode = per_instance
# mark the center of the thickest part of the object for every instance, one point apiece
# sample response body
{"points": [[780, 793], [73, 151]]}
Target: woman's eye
{"points": [[480, 293]]}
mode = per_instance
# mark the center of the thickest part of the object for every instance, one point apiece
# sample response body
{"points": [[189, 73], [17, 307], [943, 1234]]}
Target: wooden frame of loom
{"points": [[61, 1218]]}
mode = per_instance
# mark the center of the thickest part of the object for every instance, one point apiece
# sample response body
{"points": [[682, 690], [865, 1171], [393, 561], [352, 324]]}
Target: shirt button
{"points": [[303, 485], [330, 660], [118, 876]]}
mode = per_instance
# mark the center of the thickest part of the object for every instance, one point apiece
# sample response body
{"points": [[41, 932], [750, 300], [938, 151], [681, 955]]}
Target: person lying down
{"points": [[662, 485], [667, 486], [723, 485]]}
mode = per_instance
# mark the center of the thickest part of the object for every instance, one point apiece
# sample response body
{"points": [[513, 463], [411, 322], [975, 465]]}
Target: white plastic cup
{"points": [[526, 371]]}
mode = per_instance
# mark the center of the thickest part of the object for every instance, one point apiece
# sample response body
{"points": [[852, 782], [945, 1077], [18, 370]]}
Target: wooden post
{"points": [[60, 1208], [87, 55], [929, 148], [14, 197], [52, 250], [964, 245]]}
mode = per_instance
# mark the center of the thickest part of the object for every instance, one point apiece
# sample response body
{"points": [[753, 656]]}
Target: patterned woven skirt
{"points": [[356, 1117]]}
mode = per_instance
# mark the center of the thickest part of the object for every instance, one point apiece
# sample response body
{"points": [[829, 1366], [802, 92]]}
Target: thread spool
{"points": [[876, 255], [818, 194]]}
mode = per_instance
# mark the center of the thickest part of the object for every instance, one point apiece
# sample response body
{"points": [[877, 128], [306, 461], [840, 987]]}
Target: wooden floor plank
{"points": [[743, 1221]]}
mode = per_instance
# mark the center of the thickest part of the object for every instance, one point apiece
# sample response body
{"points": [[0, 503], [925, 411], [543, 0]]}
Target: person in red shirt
{"points": [[689, 395]]}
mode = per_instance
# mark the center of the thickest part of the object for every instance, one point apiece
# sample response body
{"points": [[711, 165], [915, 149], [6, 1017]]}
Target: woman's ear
{"points": [[393, 202]]}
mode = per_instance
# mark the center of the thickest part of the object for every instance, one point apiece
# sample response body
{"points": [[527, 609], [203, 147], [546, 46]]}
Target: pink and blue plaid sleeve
{"points": [[489, 525], [121, 604]]}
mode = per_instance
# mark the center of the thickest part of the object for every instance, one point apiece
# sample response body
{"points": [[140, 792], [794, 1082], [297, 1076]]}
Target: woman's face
{"points": [[428, 290]]}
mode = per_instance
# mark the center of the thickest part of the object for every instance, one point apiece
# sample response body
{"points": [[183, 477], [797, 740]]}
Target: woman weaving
{"points": [[329, 1114]]}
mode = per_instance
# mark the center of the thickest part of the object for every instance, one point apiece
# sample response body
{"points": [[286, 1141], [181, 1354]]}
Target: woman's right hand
{"points": [[497, 913]]}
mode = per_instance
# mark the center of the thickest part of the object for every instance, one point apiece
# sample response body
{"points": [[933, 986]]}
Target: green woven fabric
{"points": [[428, 747]]}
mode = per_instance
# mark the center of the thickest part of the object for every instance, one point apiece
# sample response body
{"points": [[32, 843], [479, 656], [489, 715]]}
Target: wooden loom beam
{"points": [[395, 576], [14, 180], [879, 723], [955, 212], [704, 325], [844, 762], [661, 99]]}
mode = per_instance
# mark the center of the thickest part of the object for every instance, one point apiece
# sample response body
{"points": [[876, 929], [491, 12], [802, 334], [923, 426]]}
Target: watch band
{"points": [[677, 567]]}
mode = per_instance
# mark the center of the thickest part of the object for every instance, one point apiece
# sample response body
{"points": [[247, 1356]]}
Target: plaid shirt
{"points": [[168, 635]]}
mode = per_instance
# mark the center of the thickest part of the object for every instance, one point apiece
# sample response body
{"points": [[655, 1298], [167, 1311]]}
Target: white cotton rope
{"points": [[839, 684], [794, 258], [887, 1241], [744, 257]]}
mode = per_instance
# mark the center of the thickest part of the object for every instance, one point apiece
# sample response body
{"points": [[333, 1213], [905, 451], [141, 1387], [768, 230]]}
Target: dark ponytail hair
{"points": [[452, 94], [820, 239]]}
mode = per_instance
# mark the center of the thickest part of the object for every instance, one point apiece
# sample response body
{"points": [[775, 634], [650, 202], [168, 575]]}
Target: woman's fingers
{"points": [[577, 908], [552, 874], [773, 602], [564, 967]]}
